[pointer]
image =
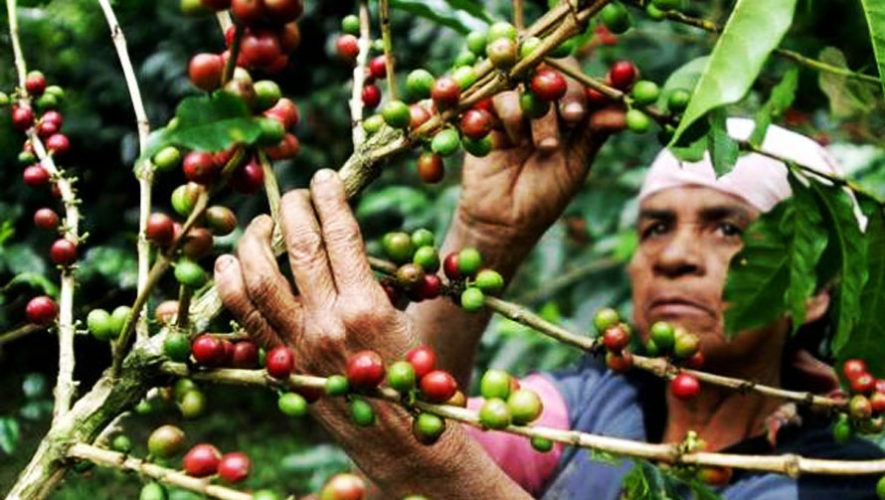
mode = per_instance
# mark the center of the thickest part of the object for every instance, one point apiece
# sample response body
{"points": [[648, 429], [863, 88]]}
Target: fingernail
{"points": [[223, 262], [323, 175], [572, 112]]}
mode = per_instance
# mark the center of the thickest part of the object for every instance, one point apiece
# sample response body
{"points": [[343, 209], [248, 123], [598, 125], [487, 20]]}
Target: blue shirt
{"points": [[632, 406]]}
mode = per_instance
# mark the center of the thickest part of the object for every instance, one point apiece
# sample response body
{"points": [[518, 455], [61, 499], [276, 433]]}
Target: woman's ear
{"points": [[816, 306]]}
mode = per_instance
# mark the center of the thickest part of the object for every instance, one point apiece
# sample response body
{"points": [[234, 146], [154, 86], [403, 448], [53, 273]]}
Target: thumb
{"points": [[588, 138]]}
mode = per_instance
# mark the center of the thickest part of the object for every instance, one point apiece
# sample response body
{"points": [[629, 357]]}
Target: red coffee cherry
{"points": [[35, 83], [365, 370], [260, 48], [41, 310], [22, 118], [438, 386], [348, 48], [280, 362], [159, 229], [854, 368], [880, 385], [283, 11], [205, 71], [287, 148], [371, 96], [418, 115], [445, 92], [245, 355], [202, 460], [197, 243], [47, 129], [248, 178], [616, 338], [423, 360], [378, 67], [290, 37], [234, 467], [696, 361], [619, 361], [430, 288], [451, 267], [863, 383], [63, 252], [476, 123], [200, 167], [247, 11], [877, 400], [58, 144], [36, 176], [685, 386], [343, 487], [285, 111], [54, 117], [622, 74], [431, 168], [46, 218], [548, 85], [208, 350]]}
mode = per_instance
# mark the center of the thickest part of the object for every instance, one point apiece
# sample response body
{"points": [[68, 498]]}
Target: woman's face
{"points": [[687, 236]]}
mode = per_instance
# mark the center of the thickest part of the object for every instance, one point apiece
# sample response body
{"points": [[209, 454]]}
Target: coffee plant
{"points": [[136, 297]]}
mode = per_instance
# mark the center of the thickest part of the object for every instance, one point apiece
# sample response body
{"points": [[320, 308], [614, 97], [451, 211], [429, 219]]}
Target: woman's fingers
{"points": [[508, 111], [306, 250], [342, 237], [232, 291], [267, 288]]}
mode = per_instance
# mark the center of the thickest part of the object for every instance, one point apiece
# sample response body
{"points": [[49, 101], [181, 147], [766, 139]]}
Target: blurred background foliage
{"points": [[576, 268]]}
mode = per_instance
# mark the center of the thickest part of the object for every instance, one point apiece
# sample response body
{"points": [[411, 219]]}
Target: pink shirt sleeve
{"points": [[514, 454]]}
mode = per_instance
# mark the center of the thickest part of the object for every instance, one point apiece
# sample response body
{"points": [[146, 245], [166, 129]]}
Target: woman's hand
{"points": [[517, 191], [340, 307]]}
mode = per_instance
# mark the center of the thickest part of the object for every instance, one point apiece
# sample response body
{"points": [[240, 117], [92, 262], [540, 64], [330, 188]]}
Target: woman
{"points": [[689, 231]]}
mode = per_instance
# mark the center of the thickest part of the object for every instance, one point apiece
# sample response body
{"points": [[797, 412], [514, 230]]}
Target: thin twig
{"points": [[710, 26], [359, 77], [387, 42], [518, 15], [234, 54], [17, 333], [65, 386], [609, 91], [666, 452], [144, 173], [658, 366], [108, 458]]}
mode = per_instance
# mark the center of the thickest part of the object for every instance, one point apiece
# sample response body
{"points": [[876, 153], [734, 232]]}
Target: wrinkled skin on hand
{"points": [[525, 183], [340, 307]]}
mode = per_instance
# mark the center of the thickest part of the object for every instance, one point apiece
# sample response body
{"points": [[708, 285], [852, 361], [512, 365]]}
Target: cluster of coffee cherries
{"points": [[271, 34], [505, 403], [47, 124], [617, 18], [866, 408], [419, 260], [707, 474], [680, 346]]}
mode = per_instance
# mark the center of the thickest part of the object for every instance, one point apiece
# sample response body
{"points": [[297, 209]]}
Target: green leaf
{"points": [[436, 11], [7, 230], [781, 98], [867, 341], [723, 148], [845, 236], [753, 30], [875, 13], [685, 77], [759, 275], [848, 97], [807, 243], [9, 434], [475, 9], [210, 123], [34, 280]]}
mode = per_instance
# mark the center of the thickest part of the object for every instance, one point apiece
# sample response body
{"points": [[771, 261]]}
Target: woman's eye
{"points": [[729, 229], [655, 229]]}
